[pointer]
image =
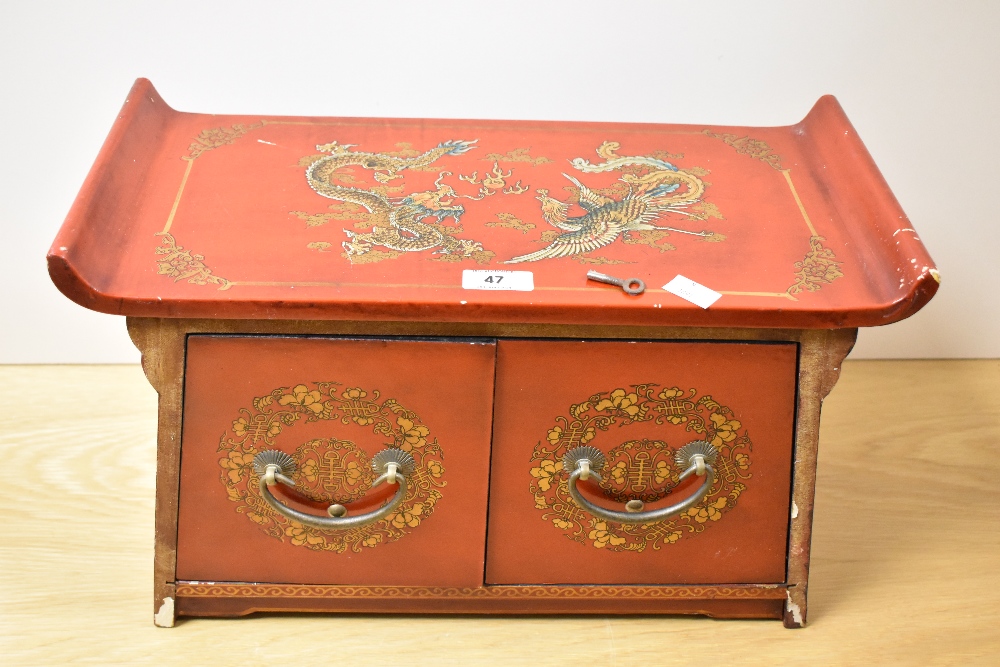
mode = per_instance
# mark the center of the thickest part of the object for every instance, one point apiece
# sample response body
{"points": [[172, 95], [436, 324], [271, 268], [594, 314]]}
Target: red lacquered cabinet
{"points": [[387, 384]]}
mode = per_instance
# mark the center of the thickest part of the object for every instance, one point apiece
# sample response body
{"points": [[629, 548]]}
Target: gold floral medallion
{"points": [[330, 470], [640, 469], [333, 471]]}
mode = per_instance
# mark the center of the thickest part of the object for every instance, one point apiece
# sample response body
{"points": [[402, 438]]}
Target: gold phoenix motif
{"points": [[651, 188], [640, 469], [330, 470]]}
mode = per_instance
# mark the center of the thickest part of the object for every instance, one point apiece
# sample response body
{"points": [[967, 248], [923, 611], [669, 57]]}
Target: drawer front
{"points": [[331, 405], [638, 403]]}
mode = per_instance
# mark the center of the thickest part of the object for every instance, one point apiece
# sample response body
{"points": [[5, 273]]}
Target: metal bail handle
{"points": [[276, 467], [695, 458]]}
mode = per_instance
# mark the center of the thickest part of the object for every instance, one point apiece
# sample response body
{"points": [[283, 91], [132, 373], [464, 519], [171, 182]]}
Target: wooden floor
{"points": [[906, 551]]}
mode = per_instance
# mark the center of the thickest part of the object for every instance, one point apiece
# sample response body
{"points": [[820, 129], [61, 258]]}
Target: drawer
{"points": [[638, 403], [332, 405]]}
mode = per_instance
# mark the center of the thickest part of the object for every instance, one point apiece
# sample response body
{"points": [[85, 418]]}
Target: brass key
{"points": [[632, 286]]}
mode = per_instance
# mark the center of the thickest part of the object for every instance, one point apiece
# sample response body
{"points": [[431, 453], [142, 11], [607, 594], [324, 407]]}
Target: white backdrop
{"points": [[919, 80]]}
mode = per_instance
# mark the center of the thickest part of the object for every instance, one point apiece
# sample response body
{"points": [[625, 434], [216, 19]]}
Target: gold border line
{"points": [[251, 283], [782, 295], [177, 199], [485, 125], [805, 216], [248, 283], [254, 283]]}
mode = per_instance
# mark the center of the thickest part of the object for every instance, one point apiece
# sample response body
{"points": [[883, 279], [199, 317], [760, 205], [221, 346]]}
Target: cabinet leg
{"points": [[163, 607], [795, 607]]}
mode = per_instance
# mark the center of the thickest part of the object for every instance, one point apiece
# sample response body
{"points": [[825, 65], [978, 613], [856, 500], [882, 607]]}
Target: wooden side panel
{"points": [[309, 397], [822, 354], [637, 403]]}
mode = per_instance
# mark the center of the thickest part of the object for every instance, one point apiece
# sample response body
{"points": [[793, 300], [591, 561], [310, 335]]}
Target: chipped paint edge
{"points": [[164, 617], [795, 510], [791, 608]]}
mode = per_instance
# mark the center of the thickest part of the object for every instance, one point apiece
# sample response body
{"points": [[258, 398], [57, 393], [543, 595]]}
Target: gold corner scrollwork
{"points": [[517, 155], [181, 264], [819, 267], [174, 260], [330, 470], [641, 469], [746, 145], [217, 137]]}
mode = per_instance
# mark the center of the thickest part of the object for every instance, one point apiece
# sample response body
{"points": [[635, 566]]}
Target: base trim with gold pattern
{"points": [[238, 590], [240, 599]]}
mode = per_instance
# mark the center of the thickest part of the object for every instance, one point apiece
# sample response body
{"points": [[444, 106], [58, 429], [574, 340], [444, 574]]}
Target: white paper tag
{"points": [[517, 281], [689, 290]]}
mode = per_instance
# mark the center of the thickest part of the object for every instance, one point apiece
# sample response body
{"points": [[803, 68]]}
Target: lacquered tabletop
{"points": [[248, 216]]}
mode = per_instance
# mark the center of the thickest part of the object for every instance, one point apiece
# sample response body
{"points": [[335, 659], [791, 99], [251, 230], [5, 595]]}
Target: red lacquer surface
{"points": [[554, 396], [436, 396], [194, 215]]}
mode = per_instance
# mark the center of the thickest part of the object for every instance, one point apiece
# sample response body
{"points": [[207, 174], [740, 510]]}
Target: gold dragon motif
{"points": [[399, 224]]}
